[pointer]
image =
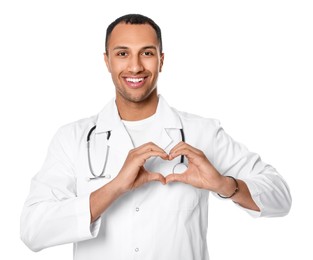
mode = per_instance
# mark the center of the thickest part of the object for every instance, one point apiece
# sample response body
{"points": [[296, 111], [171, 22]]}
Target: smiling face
{"points": [[134, 60]]}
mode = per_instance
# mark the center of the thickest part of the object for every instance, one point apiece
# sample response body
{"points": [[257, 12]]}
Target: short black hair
{"points": [[133, 19]]}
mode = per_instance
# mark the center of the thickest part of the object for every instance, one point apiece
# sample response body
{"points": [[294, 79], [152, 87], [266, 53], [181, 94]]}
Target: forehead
{"points": [[133, 35]]}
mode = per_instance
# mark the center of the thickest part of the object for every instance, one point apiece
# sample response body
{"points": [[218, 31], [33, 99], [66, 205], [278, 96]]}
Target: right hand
{"points": [[133, 174]]}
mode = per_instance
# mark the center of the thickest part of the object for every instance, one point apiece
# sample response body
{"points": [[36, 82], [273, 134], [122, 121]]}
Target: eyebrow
{"points": [[126, 48]]}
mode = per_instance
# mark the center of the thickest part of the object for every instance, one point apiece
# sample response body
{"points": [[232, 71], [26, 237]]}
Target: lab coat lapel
{"points": [[167, 118], [109, 120], [165, 140]]}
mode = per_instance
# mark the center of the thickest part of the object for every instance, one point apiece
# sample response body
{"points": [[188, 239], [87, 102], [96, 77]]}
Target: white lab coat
{"points": [[154, 221]]}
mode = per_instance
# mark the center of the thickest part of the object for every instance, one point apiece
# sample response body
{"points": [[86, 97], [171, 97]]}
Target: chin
{"points": [[137, 98]]}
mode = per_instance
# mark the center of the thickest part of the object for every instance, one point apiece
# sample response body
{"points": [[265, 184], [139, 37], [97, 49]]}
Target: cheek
{"points": [[153, 66], [116, 68]]}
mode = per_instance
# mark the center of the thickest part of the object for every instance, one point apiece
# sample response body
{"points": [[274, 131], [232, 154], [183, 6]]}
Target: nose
{"points": [[135, 65]]}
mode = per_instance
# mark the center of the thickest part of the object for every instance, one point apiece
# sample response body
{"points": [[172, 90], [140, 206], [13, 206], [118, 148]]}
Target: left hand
{"points": [[200, 172]]}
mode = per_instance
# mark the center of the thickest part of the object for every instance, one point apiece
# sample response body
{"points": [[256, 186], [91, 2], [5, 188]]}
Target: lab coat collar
{"points": [[109, 118], [167, 116]]}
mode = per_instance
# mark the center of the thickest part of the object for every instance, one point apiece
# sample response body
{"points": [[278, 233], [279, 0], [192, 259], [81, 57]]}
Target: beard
{"points": [[135, 95]]}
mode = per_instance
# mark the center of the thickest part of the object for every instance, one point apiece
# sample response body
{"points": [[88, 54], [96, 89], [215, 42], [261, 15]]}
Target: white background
{"points": [[247, 63]]}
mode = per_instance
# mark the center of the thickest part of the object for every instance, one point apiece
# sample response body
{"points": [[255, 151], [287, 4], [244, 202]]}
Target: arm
{"points": [[131, 176], [242, 197], [202, 174], [266, 186], [261, 188], [54, 214]]}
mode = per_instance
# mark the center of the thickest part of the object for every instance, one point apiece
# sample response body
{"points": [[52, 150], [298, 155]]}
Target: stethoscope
{"points": [[178, 168]]}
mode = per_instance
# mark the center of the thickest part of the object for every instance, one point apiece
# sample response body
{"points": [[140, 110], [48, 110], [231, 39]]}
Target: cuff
{"points": [[85, 229], [255, 194]]}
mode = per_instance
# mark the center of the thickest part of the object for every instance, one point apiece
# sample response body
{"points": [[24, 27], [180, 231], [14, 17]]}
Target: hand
{"points": [[133, 174], [200, 172]]}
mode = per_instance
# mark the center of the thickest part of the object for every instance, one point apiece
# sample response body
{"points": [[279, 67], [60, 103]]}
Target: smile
{"points": [[135, 82]]}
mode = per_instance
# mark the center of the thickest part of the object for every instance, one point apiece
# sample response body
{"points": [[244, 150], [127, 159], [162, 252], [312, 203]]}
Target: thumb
{"points": [[175, 178]]}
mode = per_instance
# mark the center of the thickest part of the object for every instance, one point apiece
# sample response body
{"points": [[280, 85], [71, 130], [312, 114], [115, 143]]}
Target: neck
{"points": [[134, 111]]}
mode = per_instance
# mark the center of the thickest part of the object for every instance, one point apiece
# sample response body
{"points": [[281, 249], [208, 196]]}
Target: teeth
{"points": [[134, 80]]}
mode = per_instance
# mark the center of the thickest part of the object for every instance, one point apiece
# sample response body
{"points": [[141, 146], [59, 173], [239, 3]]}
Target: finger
{"points": [[174, 149], [189, 153], [148, 154], [175, 178], [149, 147], [142, 158], [180, 146]]}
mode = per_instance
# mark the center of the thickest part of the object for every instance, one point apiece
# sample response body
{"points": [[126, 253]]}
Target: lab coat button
{"points": [[136, 249], [137, 209]]}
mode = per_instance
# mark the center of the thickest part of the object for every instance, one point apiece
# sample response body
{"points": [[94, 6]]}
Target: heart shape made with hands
{"points": [[199, 173], [176, 173]]}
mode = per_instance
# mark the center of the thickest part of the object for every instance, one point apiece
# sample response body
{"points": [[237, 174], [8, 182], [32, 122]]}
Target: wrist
{"points": [[229, 187], [117, 188]]}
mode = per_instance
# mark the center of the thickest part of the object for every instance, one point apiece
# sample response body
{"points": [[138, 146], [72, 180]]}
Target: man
{"points": [[121, 197]]}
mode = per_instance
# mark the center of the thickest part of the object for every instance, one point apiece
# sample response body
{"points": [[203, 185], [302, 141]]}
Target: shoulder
{"points": [[76, 129], [200, 132], [197, 121]]}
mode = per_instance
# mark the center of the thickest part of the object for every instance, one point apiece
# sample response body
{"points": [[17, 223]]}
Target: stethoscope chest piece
{"points": [[98, 177]]}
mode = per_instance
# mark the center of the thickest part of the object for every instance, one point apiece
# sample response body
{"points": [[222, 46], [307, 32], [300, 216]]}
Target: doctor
{"points": [[122, 196]]}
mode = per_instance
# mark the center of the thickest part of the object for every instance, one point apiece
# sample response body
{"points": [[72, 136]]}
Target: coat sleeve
{"points": [[53, 214], [267, 187]]}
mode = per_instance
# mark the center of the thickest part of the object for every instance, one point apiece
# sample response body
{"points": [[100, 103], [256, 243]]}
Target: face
{"points": [[134, 61]]}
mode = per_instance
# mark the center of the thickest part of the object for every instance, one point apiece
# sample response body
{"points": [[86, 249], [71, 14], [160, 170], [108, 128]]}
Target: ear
{"points": [[106, 59], [161, 61]]}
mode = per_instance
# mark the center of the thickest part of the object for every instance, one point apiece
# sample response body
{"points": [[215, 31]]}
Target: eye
{"points": [[147, 53], [122, 54]]}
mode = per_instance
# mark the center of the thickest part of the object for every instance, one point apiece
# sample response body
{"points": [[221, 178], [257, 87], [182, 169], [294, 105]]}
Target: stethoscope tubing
{"points": [[89, 156], [183, 139], [101, 175]]}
